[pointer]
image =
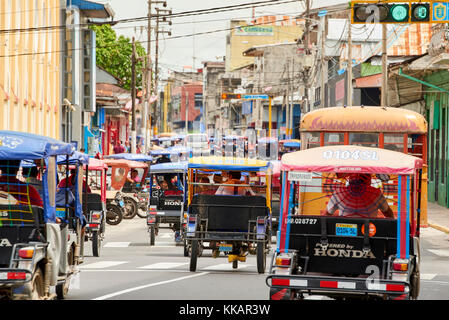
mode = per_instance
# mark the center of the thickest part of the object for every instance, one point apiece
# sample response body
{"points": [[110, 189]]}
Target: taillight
{"points": [[283, 262], [26, 253], [96, 216], [400, 264]]}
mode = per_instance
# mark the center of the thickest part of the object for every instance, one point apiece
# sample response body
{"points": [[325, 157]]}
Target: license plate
{"points": [[225, 247], [344, 229]]}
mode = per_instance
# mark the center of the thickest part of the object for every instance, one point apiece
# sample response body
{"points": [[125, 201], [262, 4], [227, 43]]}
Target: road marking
{"points": [[427, 276], [441, 253], [164, 265], [118, 293], [117, 245], [225, 266], [102, 264]]}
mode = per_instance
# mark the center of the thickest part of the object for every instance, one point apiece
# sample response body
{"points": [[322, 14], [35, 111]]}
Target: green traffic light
{"points": [[420, 12], [399, 12]]}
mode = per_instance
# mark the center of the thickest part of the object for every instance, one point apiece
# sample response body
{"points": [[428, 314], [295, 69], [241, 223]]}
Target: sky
{"points": [[176, 54]]}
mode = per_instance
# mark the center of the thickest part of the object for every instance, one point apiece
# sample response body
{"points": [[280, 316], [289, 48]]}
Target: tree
{"points": [[114, 55]]}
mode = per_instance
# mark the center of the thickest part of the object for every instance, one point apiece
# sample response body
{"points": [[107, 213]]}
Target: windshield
{"points": [[229, 183]]}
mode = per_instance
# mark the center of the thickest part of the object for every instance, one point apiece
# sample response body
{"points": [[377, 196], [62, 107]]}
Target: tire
{"points": [[194, 255], [152, 235], [114, 215], [37, 287], [131, 206], [142, 215], [186, 248], [261, 257], [235, 264], [62, 289], [96, 244]]}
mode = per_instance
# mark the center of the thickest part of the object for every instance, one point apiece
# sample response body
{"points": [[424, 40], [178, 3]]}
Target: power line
{"points": [[114, 44], [145, 18]]}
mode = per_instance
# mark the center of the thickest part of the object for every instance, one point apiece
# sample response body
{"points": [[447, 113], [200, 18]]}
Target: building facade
{"points": [[30, 67]]}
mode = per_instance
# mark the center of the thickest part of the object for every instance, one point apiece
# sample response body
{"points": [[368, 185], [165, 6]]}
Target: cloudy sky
{"points": [[177, 53]]}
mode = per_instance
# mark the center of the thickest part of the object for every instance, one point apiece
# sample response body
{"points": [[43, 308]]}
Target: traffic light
{"points": [[227, 96], [390, 12]]}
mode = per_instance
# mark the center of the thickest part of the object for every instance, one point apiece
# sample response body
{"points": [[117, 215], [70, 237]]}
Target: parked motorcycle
{"points": [[115, 209]]}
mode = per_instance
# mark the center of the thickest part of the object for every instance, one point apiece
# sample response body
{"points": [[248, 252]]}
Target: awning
{"points": [[372, 81], [92, 9]]}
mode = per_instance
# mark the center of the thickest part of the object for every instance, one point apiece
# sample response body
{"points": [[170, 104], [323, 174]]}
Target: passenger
{"points": [[202, 189], [234, 178], [134, 177], [72, 180], [24, 193], [359, 198]]}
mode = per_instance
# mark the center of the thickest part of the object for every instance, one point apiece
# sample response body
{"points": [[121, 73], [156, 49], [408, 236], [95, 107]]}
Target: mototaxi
{"points": [[350, 256], [95, 207], [135, 195], [37, 251], [167, 205], [236, 225]]}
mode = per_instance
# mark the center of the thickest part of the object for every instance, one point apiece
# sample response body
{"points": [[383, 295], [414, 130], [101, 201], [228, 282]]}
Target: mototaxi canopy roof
{"points": [[275, 168], [364, 119], [125, 163], [97, 164], [169, 167], [228, 164], [26, 146], [76, 157], [350, 159], [293, 143], [130, 156]]}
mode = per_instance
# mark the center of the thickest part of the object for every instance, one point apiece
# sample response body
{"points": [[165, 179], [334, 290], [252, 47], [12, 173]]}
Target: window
{"points": [[394, 141], [311, 139], [198, 100], [364, 139], [333, 138]]}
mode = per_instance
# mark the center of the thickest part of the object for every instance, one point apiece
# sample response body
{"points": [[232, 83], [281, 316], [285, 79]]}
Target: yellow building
{"points": [[30, 66], [265, 30]]}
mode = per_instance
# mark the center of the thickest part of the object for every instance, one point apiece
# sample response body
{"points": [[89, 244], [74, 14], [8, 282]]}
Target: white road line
{"points": [[114, 294], [102, 264], [427, 276], [441, 253], [117, 245], [225, 266], [164, 265]]}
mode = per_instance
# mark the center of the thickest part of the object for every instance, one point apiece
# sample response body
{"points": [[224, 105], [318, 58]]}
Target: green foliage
{"points": [[114, 55]]}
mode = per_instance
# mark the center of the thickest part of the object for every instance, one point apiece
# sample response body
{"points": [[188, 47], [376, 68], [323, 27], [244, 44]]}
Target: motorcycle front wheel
{"points": [[114, 214]]}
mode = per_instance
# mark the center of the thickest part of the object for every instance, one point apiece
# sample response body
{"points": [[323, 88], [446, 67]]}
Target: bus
{"points": [[379, 127]]}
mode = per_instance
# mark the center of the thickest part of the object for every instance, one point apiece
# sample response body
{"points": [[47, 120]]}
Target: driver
{"points": [[359, 198], [234, 178]]}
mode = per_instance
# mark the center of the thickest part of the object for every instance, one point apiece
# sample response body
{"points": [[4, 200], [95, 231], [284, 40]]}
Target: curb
{"points": [[439, 227]]}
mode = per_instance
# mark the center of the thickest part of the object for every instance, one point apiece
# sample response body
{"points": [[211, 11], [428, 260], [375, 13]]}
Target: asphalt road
{"points": [[130, 269]]}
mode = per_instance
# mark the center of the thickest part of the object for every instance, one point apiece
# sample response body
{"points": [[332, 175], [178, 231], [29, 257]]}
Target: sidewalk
{"points": [[438, 217]]}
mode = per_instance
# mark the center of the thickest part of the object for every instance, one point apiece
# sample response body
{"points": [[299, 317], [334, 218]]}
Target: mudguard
{"points": [[54, 250]]}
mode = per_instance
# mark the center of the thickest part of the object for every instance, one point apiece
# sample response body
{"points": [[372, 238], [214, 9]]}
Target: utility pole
{"points": [[384, 89], [133, 98], [323, 61], [159, 19], [349, 66], [147, 88], [292, 105]]}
